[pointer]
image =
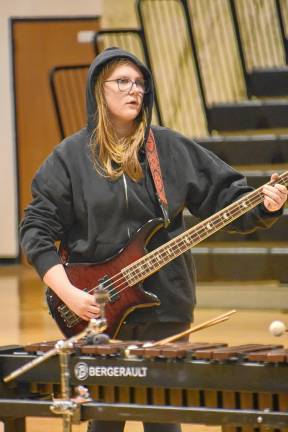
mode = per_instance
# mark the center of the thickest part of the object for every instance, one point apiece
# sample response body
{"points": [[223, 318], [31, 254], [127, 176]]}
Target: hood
{"points": [[99, 62]]}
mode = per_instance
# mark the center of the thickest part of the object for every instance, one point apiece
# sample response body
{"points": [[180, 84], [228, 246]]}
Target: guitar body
{"points": [[124, 298]]}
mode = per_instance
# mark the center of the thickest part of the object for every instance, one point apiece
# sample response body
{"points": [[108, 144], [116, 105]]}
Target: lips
{"points": [[133, 105]]}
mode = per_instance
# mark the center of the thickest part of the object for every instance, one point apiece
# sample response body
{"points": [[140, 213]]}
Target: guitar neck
{"points": [[153, 261]]}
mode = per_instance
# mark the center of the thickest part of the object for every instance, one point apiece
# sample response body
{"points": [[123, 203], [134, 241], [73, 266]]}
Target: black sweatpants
{"points": [[146, 332]]}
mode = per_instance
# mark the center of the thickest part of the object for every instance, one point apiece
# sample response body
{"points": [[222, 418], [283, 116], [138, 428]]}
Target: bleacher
{"points": [[223, 88]]}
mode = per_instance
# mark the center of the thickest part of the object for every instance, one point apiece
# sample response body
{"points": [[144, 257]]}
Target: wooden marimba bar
{"points": [[243, 388]]}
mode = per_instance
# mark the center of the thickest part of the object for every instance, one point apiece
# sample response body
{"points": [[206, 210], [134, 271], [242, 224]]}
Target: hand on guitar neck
{"points": [[274, 196]]}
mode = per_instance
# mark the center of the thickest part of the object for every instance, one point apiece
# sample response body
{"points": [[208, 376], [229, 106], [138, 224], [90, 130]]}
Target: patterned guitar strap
{"points": [[154, 164]]}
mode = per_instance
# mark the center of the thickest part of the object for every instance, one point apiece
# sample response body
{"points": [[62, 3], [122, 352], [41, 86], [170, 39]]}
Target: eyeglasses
{"points": [[126, 84]]}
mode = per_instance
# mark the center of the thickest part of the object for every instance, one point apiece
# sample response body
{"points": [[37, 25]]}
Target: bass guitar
{"points": [[122, 275]]}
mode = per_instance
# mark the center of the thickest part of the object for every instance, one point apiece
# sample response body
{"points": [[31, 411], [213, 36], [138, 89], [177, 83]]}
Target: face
{"points": [[123, 106]]}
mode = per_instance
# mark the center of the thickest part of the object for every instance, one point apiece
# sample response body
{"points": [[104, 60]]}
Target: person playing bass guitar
{"points": [[97, 189]]}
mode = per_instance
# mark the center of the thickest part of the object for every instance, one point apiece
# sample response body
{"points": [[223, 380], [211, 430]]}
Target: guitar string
{"points": [[148, 257], [247, 202], [251, 200], [173, 245], [74, 318]]}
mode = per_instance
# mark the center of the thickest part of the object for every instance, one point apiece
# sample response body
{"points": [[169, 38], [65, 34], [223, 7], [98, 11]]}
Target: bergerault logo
{"points": [[82, 371]]}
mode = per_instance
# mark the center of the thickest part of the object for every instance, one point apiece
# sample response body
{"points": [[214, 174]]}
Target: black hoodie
{"points": [[94, 217]]}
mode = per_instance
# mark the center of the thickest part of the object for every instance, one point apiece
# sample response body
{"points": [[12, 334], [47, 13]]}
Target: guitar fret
{"points": [[186, 240], [152, 261]]}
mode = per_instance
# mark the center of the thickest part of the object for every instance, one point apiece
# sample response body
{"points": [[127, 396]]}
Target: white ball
{"points": [[277, 328]]}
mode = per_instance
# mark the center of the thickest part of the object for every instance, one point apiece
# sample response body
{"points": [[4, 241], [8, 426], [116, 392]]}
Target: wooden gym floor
{"points": [[24, 319]]}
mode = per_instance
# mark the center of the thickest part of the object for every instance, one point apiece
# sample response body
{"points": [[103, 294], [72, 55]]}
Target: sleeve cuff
{"points": [[45, 261], [270, 213]]}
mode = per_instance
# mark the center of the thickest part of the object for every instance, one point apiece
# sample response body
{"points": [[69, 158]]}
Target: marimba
{"points": [[242, 388]]}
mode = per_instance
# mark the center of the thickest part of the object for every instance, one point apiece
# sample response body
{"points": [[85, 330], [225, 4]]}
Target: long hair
{"points": [[112, 156]]}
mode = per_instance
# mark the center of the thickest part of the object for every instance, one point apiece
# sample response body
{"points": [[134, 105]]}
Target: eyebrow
{"points": [[127, 77]]}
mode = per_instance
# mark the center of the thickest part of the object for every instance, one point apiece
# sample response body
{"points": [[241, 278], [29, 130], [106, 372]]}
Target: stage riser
{"points": [[248, 150], [248, 116], [236, 266], [268, 82]]}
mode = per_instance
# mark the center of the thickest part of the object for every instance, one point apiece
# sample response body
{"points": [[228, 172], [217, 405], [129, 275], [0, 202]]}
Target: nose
{"points": [[134, 88]]}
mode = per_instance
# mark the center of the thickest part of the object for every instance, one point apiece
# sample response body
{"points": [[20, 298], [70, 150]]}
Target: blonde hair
{"points": [[112, 156]]}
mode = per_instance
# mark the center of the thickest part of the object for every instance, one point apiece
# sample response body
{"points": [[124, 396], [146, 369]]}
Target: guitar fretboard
{"points": [[153, 261]]}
